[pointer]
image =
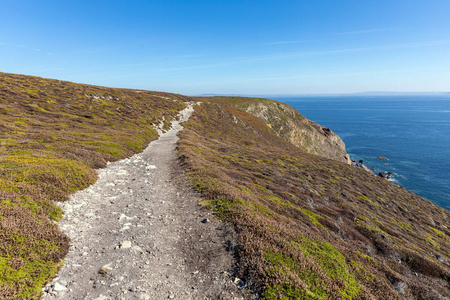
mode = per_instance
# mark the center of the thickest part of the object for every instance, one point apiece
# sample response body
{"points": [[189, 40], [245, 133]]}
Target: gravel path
{"points": [[138, 233]]}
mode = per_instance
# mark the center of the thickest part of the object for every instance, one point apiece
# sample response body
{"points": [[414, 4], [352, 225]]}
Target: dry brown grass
{"points": [[309, 227], [53, 135]]}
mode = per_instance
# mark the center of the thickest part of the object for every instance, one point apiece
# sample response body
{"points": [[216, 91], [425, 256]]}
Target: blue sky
{"points": [[241, 47]]}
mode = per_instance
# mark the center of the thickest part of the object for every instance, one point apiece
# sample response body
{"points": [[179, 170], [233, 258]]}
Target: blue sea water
{"points": [[413, 132]]}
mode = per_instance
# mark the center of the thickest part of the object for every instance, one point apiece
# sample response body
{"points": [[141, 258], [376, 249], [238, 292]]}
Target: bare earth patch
{"points": [[138, 233]]}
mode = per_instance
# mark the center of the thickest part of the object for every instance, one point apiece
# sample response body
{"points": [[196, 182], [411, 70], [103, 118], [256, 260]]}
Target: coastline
{"points": [[383, 174], [411, 131]]}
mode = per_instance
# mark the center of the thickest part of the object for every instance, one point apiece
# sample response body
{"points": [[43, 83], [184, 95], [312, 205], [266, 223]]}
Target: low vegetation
{"points": [[309, 227], [53, 134]]}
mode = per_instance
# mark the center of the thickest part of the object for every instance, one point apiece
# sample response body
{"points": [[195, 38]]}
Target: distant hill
{"points": [[360, 94]]}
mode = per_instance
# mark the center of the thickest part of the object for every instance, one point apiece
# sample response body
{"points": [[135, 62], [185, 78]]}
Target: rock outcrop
{"points": [[289, 124]]}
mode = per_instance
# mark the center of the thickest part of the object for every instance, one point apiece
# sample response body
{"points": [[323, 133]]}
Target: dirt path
{"points": [[138, 233]]}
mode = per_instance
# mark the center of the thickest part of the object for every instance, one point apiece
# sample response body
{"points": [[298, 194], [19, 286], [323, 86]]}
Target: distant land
{"points": [[359, 94]]}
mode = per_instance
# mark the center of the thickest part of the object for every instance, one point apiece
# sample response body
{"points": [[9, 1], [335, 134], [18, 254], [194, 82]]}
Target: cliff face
{"points": [[303, 133], [289, 124]]}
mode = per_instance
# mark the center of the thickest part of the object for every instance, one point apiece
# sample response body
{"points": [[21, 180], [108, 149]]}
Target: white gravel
{"points": [[137, 234]]}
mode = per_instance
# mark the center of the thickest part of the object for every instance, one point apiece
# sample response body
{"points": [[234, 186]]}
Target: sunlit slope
{"points": [[310, 227], [52, 136]]}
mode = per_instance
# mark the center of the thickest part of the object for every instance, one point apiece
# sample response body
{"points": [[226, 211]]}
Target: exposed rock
{"points": [[137, 249], [105, 269], [144, 297], [360, 164], [125, 245], [59, 288], [385, 175], [289, 124], [400, 286], [382, 158]]}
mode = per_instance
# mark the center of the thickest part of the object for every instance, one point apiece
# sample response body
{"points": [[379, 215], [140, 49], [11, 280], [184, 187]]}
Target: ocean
{"points": [[413, 132]]}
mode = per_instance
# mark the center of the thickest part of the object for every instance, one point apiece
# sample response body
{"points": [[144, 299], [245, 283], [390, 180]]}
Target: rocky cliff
{"points": [[289, 124]]}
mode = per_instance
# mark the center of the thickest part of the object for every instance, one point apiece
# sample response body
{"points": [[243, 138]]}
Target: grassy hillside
{"points": [[307, 227], [53, 135], [310, 227]]}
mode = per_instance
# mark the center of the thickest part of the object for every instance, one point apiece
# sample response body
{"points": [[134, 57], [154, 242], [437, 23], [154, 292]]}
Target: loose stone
{"points": [[125, 245]]}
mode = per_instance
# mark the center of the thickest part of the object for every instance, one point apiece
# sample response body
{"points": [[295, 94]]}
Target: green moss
{"points": [[203, 185], [332, 262], [21, 122], [224, 207], [283, 264], [260, 188], [135, 145], [246, 190], [30, 277], [25, 202], [313, 217], [405, 225], [439, 233], [55, 214], [114, 151], [286, 292], [368, 200], [41, 109], [361, 271], [364, 218], [8, 142], [367, 258], [366, 223], [430, 240], [264, 210], [276, 200]]}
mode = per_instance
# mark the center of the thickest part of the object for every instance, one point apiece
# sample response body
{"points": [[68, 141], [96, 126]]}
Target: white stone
{"points": [[125, 245], [137, 249], [106, 268], [122, 173], [59, 288], [124, 217]]}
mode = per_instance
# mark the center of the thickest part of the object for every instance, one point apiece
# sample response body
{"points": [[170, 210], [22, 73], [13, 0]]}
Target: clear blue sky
{"points": [[246, 47]]}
